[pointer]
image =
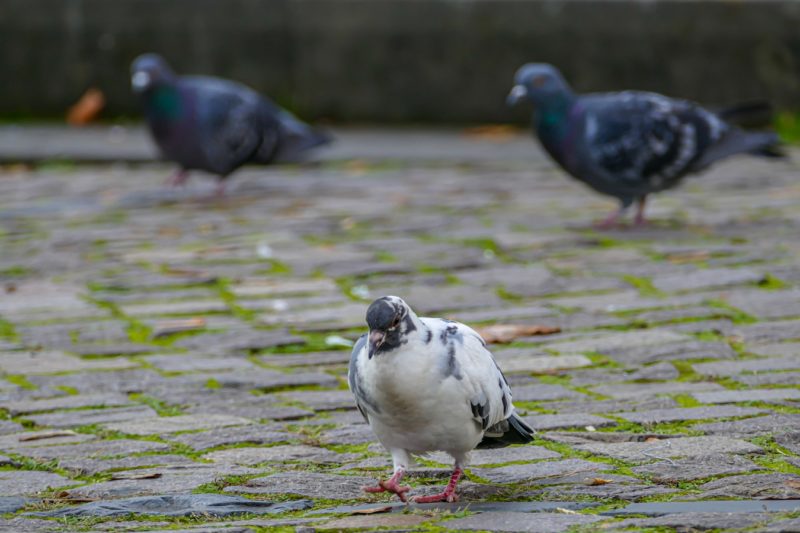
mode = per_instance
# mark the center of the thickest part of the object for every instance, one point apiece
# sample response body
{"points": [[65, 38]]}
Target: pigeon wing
{"points": [[231, 130], [465, 357], [646, 140], [363, 402]]}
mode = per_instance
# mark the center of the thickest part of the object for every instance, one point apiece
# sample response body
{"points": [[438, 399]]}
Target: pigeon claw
{"points": [[178, 179], [391, 485], [387, 486]]}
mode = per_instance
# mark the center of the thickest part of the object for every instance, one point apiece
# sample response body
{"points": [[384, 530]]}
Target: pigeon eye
{"points": [[539, 81], [396, 322]]}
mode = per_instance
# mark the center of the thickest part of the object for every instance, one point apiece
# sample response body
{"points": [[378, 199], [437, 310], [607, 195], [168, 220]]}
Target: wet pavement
{"points": [[175, 361]]}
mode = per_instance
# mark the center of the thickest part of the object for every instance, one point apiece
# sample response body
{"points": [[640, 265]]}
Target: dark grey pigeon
{"points": [[215, 125], [628, 144]]}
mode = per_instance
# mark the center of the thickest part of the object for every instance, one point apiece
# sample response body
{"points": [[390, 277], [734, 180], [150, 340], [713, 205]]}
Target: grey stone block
{"points": [[174, 424], [299, 452], [770, 424], [642, 452], [695, 468], [658, 416], [30, 482], [751, 395], [532, 471], [179, 505], [707, 506], [731, 368], [757, 486], [225, 436], [516, 522], [501, 455], [707, 279], [698, 521], [579, 420], [310, 484]]}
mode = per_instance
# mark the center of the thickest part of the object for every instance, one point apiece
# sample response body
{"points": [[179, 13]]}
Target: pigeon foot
{"points": [[219, 190], [448, 494], [178, 178], [608, 222], [639, 219], [391, 485]]}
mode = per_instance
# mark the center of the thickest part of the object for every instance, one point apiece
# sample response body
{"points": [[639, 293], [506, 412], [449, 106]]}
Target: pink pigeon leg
{"points": [[640, 220], [448, 495], [611, 220], [178, 178], [391, 485], [219, 191]]}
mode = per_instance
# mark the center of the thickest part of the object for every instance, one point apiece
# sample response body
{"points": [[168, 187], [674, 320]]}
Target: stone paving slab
{"points": [[510, 521], [30, 483], [688, 413], [162, 342], [174, 424], [639, 452]]}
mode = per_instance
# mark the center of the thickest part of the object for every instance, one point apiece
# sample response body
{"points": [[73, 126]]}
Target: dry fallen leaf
{"points": [[793, 483], [688, 257], [599, 481], [46, 435], [505, 333], [170, 327], [147, 475], [492, 132], [64, 496], [562, 510], [86, 108], [652, 439], [372, 510]]}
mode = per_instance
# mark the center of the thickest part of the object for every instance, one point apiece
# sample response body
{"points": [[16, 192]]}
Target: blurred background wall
{"points": [[399, 60]]}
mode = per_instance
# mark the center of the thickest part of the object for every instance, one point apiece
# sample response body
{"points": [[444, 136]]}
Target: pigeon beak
{"points": [[518, 92], [140, 81], [376, 339]]}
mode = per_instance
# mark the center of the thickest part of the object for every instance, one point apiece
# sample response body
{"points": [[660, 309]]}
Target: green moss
{"points": [[644, 286], [382, 256], [686, 400], [736, 315], [7, 331], [229, 298], [787, 125], [159, 406], [21, 381], [770, 282], [15, 271]]}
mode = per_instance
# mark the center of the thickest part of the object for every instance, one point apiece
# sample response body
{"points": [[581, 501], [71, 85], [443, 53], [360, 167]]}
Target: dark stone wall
{"points": [[400, 60]]}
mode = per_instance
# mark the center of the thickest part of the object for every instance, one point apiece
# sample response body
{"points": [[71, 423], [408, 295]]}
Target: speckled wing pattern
{"points": [[645, 140], [464, 356]]}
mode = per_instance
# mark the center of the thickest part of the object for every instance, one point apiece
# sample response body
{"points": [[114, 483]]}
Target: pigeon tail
{"points": [[748, 114], [736, 141], [512, 430], [299, 137]]}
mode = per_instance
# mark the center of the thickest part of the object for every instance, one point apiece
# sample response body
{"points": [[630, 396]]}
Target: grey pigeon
{"points": [[215, 125], [428, 384], [628, 144]]}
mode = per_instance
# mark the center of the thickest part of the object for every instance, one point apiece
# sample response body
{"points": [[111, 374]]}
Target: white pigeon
{"points": [[429, 384]]}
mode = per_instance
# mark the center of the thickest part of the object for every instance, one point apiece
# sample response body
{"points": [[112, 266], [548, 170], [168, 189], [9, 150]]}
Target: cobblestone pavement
{"points": [[176, 362]]}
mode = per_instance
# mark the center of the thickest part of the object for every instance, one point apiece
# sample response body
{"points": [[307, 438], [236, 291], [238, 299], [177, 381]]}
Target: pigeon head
{"points": [[540, 84], [390, 320], [149, 71]]}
